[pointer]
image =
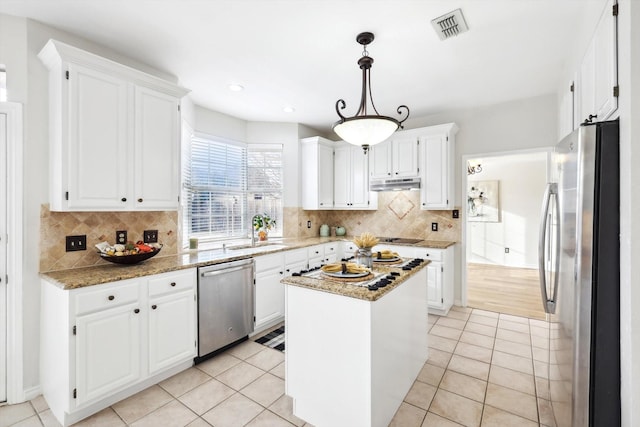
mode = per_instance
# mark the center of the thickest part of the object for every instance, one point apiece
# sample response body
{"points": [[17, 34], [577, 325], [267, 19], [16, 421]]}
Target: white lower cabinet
{"points": [[107, 351], [269, 293], [106, 342], [172, 313], [439, 278]]}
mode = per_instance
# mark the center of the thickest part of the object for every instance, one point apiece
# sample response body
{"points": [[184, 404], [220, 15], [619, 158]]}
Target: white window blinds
{"points": [[215, 179], [225, 183], [265, 183]]}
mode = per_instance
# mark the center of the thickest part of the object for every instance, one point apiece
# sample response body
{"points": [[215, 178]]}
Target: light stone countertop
{"points": [[110, 272], [334, 286]]}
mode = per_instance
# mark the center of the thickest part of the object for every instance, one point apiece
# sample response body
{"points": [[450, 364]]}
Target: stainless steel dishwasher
{"points": [[225, 305]]}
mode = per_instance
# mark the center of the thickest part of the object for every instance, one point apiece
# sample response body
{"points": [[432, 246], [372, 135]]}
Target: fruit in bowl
{"points": [[129, 253]]}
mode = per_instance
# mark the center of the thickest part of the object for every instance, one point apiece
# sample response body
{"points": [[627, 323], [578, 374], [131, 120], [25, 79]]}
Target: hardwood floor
{"points": [[503, 289]]}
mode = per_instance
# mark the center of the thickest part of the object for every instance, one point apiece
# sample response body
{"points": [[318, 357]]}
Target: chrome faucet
{"points": [[253, 230]]}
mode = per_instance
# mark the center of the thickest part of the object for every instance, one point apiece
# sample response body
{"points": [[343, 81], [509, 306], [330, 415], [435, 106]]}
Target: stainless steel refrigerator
{"points": [[579, 257]]}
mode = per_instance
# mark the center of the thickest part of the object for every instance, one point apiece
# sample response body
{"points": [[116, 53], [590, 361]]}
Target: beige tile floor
{"points": [[484, 369]]}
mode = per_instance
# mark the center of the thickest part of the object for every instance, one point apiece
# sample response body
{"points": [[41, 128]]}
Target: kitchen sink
{"points": [[264, 247]]}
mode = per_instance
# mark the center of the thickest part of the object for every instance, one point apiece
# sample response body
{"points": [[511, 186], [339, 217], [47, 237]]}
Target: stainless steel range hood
{"points": [[394, 184]]}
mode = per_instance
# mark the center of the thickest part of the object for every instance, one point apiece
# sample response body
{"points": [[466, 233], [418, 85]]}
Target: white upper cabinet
{"points": [[567, 109], [437, 171], [380, 160], [598, 82], [405, 157], [114, 134], [316, 171], [396, 158], [351, 179], [156, 174]]}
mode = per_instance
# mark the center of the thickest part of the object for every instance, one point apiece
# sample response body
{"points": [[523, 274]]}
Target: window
{"points": [[225, 183], [264, 172]]}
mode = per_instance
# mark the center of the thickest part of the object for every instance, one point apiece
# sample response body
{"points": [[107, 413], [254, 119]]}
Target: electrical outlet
{"points": [[506, 250], [455, 213], [76, 243], [150, 236], [121, 237], [434, 226], [308, 224]]}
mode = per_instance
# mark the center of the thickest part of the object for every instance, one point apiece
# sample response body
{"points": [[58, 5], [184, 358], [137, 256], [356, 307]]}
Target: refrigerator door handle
{"points": [[548, 304]]}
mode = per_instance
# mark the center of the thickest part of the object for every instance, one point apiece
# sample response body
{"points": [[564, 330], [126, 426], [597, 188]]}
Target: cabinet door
{"points": [[342, 188], [156, 150], [605, 71], [98, 169], [360, 196], [434, 285], [434, 190], [172, 326], [107, 351], [380, 164], [587, 84], [325, 184], [269, 292], [405, 158], [598, 71]]}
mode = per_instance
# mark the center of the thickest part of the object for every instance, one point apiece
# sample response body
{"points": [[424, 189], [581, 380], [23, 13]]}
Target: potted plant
{"points": [[262, 224]]}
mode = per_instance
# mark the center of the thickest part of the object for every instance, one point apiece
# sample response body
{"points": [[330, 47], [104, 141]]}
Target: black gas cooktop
{"points": [[398, 240]]}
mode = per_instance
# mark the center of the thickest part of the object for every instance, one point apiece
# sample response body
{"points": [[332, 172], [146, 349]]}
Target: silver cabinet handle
{"points": [[548, 304]]}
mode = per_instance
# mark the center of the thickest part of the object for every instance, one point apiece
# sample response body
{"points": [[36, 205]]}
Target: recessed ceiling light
{"points": [[236, 88], [288, 109]]}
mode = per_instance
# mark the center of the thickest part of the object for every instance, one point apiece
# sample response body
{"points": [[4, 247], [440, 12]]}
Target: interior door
{"points": [[3, 259]]}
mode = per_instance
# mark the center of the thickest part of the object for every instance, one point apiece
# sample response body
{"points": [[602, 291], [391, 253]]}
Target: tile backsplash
{"points": [[398, 215], [99, 227]]}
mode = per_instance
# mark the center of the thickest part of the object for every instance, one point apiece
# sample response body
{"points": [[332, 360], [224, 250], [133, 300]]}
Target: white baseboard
{"points": [[32, 392]]}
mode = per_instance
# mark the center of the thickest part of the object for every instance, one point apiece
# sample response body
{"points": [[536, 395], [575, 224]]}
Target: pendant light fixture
{"points": [[366, 129]]}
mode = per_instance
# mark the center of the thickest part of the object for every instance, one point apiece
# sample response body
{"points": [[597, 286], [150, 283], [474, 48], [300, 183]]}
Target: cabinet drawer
{"points": [[315, 251], [431, 254], [108, 296], [330, 249], [172, 282], [268, 262], [295, 256]]}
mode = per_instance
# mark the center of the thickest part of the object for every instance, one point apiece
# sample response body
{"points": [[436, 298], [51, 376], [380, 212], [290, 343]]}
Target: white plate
{"points": [[346, 275], [394, 259]]}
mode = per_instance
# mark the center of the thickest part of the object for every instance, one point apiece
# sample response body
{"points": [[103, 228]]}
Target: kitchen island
{"points": [[352, 353]]}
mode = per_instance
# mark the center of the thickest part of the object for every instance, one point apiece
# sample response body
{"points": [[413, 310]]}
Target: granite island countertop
{"points": [[108, 272], [323, 283]]}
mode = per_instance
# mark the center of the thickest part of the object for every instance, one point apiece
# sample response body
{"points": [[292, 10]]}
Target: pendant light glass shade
{"points": [[365, 129], [368, 130]]}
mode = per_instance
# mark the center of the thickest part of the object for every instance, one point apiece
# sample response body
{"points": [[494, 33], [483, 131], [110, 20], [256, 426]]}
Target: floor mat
{"points": [[274, 339]]}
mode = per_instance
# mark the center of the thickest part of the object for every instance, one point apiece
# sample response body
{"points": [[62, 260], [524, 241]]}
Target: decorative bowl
{"points": [[130, 259]]}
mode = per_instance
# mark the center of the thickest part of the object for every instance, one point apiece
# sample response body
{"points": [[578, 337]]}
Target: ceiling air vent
{"points": [[450, 24]]}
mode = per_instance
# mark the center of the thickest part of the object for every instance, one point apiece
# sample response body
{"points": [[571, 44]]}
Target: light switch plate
{"points": [[150, 236], [76, 243]]}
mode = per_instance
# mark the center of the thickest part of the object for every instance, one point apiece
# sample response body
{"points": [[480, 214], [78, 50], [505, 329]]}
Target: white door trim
{"points": [[463, 204], [15, 389]]}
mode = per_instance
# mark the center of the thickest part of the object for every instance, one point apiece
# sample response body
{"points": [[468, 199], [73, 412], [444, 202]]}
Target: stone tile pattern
{"points": [[393, 218], [98, 227], [476, 377]]}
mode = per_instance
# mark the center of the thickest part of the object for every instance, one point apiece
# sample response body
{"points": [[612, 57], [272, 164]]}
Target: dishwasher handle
{"points": [[223, 271]]}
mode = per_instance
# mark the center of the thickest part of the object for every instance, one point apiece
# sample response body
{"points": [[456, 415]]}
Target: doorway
{"points": [[502, 199], [3, 257]]}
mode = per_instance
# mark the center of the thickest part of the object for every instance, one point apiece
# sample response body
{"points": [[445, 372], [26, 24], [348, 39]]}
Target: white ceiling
{"points": [[303, 53]]}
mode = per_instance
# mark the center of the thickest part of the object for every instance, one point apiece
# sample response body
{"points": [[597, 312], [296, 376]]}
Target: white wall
{"points": [[517, 125], [629, 111], [522, 179]]}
